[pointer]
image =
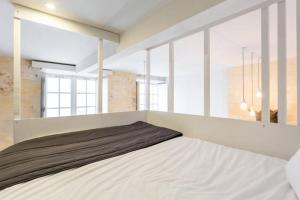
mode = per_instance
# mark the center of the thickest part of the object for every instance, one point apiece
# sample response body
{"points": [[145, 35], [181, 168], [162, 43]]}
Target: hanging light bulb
{"points": [[243, 105], [252, 112], [259, 93]]}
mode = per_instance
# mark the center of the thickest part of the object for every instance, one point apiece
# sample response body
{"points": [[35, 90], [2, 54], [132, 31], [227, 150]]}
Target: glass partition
{"points": [[159, 75], [188, 74]]}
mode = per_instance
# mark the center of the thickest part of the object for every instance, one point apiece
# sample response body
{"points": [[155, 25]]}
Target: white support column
{"points": [[206, 73], [17, 68], [100, 73], [171, 78], [147, 92], [298, 61], [265, 65], [282, 93]]}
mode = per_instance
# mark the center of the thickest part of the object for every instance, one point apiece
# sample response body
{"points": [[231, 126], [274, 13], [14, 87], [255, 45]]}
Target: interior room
{"points": [[162, 99]]}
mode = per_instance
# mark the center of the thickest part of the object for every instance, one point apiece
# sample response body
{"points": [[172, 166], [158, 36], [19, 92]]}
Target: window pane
{"points": [[91, 100], [91, 110], [91, 86], [52, 84], [52, 100], [81, 111], [81, 100], [227, 41], [159, 78], [65, 100], [273, 59], [52, 113], [81, 86], [65, 85], [291, 62], [65, 112], [105, 96], [188, 74]]}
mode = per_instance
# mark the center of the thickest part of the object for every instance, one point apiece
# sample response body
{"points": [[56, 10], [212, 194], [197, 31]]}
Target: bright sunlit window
{"points": [[58, 97], [69, 96], [85, 97]]}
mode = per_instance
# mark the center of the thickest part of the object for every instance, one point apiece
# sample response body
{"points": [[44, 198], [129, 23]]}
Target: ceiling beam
{"points": [[153, 32], [29, 14]]}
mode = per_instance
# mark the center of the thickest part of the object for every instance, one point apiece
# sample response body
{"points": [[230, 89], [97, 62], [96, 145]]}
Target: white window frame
{"points": [[73, 94]]}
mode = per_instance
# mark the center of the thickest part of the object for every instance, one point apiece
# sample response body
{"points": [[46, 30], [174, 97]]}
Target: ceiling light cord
{"points": [[252, 82], [243, 71]]}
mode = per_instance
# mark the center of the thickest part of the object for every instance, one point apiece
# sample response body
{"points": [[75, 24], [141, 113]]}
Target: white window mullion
{"points": [[207, 73], [265, 65], [73, 96], [147, 85], [282, 80], [171, 78], [58, 96]]}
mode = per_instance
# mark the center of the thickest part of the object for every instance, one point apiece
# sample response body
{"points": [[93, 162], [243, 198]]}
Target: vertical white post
{"points": [[100, 73], [147, 96], [298, 61], [265, 65], [206, 73], [17, 68], [171, 78], [282, 93]]}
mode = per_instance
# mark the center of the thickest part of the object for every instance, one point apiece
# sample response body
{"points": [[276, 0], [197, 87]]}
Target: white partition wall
{"points": [[274, 140], [33, 128]]}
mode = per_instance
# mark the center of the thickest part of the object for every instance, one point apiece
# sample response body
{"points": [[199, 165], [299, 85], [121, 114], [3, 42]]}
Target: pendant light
{"points": [[258, 92], [243, 104], [251, 109]]}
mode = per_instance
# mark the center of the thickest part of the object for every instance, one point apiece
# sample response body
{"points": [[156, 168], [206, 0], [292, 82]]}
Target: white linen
{"points": [[293, 172], [178, 169]]}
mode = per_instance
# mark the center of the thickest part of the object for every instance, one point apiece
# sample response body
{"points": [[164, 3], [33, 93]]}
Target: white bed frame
{"points": [[272, 139]]}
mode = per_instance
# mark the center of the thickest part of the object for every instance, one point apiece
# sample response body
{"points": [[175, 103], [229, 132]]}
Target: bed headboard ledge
{"points": [[32, 128], [270, 139]]}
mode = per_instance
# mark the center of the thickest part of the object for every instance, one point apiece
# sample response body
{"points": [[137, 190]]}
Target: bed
{"points": [[173, 167]]}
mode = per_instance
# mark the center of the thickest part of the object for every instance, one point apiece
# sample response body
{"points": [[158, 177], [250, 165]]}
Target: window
{"points": [[85, 96], [188, 74], [58, 97], [158, 96], [69, 96], [159, 74], [232, 91]]}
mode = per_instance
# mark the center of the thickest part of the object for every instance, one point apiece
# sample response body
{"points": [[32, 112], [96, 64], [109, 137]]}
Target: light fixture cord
{"points": [[258, 73], [252, 83], [243, 56]]}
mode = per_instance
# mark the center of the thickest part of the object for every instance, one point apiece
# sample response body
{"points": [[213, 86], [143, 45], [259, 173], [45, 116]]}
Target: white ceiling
{"points": [[114, 15], [45, 43]]}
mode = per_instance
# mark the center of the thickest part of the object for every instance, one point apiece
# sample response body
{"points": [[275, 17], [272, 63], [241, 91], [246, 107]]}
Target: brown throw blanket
{"points": [[52, 154]]}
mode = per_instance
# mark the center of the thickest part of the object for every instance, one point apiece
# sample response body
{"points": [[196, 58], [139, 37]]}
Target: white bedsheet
{"points": [[180, 169]]}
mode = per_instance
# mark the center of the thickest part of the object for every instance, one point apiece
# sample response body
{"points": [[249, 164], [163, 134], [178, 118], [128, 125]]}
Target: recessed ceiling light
{"points": [[50, 6]]}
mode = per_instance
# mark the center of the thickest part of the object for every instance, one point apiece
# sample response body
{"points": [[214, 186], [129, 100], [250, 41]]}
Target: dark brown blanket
{"points": [[52, 154]]}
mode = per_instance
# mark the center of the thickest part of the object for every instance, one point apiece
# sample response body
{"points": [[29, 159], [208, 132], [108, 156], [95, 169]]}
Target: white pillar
{"points": [[100, 73], [282, 93], [265, 65], [171, 78], [147, 92], [206, 73], [17, 68]]}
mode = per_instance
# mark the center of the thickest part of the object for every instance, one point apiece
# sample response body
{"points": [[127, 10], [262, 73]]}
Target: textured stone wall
{"points": [[31, 90], [122, 92]]}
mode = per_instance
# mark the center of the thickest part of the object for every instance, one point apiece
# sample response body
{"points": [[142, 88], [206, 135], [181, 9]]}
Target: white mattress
{"points": [[180, 169]]}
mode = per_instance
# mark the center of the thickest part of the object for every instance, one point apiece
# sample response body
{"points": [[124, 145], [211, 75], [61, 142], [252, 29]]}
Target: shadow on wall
{"points": [[31, 92]]}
